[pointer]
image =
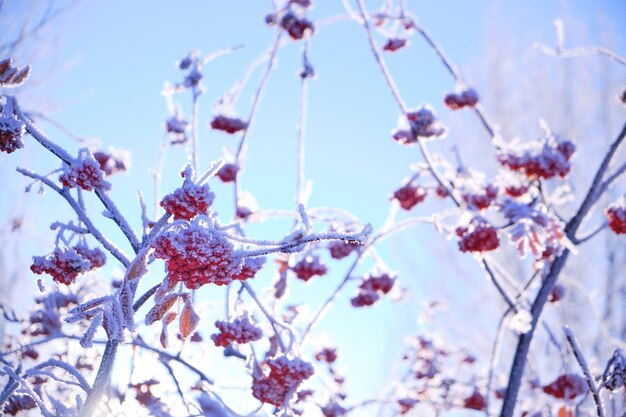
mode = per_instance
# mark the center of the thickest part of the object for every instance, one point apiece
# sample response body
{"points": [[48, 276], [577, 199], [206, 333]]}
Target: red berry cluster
{"points": [[188, 201], [295, 26], [308, 267], [11, 131], [550, 161], [339, 249], [616, 214], [85, 173], [238, 331], [112, 162], [422, 123], [95, 256], [228, 172], [482, 199], [409, 195], [371, 288], [393, 44], [567, 386], [476, 401], [466, 98], [17, 403], [328, 355], [227, 124], [197, 256], [284, 378], [249, 268], [64, 265], [480, 236]]}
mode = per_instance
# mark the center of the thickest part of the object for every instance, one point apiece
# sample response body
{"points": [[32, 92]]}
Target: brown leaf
{"points": [[189, 319], [159, 309]]}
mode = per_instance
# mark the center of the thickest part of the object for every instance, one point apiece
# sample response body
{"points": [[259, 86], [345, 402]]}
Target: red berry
{"points": [[308, 267], [11, 132], [85, 173], [196, 256], [479, 237], [284, 378], [328, 355], [475, 401], [567, 386], [228, 124], [616, 215], [188, 201], [296, 27], [249, 268], [364, 298], [409, 195], [112, 162], [393, 44], [339, 249], [64, 265], [557, 293], [228, 172], [238, 331]]}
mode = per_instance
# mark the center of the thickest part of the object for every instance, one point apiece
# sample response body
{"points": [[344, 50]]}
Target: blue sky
{"points": [[119, 53]]}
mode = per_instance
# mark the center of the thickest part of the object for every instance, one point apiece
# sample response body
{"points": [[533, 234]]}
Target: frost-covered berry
{"points": [[11, 130], [85, 173], [339, 249], [393, 44], [480, 236], [328, 355], [197, 255], [284, 378], [64, 265], [249, 268], [112, 162], [228, 172], [418, 124], [364, 298], [372, 288], [481, 199], [188, 201], [406, 404], [540, 161], [465, 98], [379, 282], [95, 256], [567, 386], [296, 27], [616, 215], [409, 195], [238, 331], [476, 401], [227, 124], [308, 267]]}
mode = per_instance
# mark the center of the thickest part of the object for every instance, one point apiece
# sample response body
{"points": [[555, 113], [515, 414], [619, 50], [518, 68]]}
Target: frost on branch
{"points": [[540, 159], [237, 331], [188, 201], [616, 215], [284, 378], [418, 124], [533, 228], [85, 173], [479, 236], [11, 129], [197, 255]]}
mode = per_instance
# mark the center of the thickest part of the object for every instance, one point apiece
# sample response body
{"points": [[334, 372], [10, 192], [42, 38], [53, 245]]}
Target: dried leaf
{"points": [[565, 412], [189, 319], [21, 76], [169, 317], [159, 310], [138, 267]]}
